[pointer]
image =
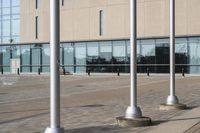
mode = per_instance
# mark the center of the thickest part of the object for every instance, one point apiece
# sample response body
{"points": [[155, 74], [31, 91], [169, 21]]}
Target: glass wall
{"points": [[6, 58], [80, 57], [68, 55], [106, 56], [36, 58], [93, 57], [194, 55], [45, 58], [25, 58], [9, 21]]}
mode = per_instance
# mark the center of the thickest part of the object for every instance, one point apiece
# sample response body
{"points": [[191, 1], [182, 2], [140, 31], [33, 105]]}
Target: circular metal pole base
{"points": [[54, 130], [135, 122], [133, 112], [178, 106], [171, 100]]}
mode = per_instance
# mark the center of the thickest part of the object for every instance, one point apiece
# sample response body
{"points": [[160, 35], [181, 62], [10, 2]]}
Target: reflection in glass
{"points": [[35, 59], [148, 51], [5, 3], [181, 54], [194, 56], [15, 51], [80, 57], [6, 58], [92, 56], [68, 57], [45, 58], [105, 55], [25, 58]]}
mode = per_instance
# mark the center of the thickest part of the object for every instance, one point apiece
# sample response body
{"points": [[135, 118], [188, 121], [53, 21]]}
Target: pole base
{"points": [[134, 122], [172, 99], [54, 130], [133, 112], [178, 106]]}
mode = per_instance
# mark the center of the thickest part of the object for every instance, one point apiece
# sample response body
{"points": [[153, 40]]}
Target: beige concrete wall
{"points": [[80, 19]]}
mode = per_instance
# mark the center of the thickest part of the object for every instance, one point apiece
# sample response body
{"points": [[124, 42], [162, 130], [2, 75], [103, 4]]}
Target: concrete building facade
{"points": [[95, 36]]}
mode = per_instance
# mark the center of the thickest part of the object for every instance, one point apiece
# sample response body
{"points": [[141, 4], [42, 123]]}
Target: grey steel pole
{"points": [[54, 68], [133, 111], [172, 99]]}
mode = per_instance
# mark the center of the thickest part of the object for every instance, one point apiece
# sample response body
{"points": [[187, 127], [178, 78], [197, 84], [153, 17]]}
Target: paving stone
{"points": [[89, 104]]}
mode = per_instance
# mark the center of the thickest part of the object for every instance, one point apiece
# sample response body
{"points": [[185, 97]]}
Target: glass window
{"points": [[6, 11], [129, 49], [6, 28], [36, 27], [45, 58], [6, 39], [92, 49], [119, 49], [15, 51], [15, 39], [105, 56], [6, 17], [15, 27], [6, 58], [15, 2], [92, 56], [148, 47], [36, 59], [148, 51], [80, 49], [5, 3], [25, 58], [15, 16], [80, 56], [181, 45], [181, 51], [105, 52], [162, 51], [36, 4], [63, 2], [15, 10], [194, 55], [101, 22], [68, 57]]}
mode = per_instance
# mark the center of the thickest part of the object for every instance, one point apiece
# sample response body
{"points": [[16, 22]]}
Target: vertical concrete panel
{"points": [[193, 17]]}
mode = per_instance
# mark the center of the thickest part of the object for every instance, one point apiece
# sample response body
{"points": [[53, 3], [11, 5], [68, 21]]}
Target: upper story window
{"points": [[9, 21], [5, 3], [36, 27], [36, 4], [101, 22], [63, 2]]}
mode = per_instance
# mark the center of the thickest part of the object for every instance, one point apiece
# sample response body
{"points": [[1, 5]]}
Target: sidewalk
{"points": [[90, 104], [188, 122]]}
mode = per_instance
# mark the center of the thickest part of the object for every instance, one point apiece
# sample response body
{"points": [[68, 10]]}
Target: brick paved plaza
{"points": [[89, 104]]}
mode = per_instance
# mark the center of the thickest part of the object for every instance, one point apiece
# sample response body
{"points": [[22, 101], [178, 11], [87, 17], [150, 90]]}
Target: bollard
{"points": [[148, 72], [63, 70], [118, 72], [183, 72], [18, 71], [88, 72], [2, 71], [38, 71]]}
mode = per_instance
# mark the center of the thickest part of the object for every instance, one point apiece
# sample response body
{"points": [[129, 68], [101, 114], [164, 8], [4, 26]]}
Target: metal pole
{"points": [[54, 68], [133, 111], [172, 99]]}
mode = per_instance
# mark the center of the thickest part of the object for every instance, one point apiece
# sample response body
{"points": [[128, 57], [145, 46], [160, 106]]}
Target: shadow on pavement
{"points": [[98, 129], [154, 123]]}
